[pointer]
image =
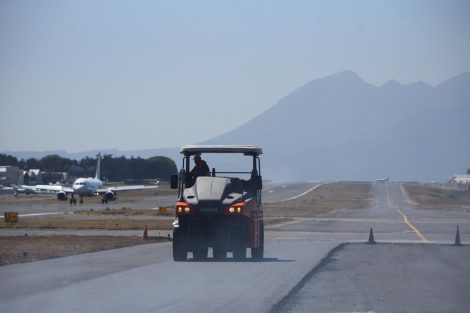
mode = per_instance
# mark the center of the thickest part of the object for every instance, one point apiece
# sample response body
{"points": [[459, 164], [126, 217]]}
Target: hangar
{"points": [[11, 175]]}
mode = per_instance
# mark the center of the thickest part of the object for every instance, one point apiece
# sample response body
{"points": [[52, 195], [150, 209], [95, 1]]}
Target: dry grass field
{"points": [[433, 196], [21, 249], [325, 199], [124, 211], [95, 223]]}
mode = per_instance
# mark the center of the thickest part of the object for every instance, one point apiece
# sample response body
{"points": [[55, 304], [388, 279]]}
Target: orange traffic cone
{"points": [[145, 235]]}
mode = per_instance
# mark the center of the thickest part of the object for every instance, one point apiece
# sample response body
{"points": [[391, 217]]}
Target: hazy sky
{"points": [[81, 75]]}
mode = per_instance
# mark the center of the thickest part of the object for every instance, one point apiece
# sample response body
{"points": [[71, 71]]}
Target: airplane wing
{"points": [[54, 188], [25, 189], [124, 188]]}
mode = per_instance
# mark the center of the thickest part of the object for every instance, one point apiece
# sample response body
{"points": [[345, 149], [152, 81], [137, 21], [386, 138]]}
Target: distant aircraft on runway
{"points": [[382, 180], [87, 187]]}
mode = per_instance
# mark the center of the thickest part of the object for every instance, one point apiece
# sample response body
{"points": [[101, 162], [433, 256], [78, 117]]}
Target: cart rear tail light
{"points": [[182, 208], [235, 209]]}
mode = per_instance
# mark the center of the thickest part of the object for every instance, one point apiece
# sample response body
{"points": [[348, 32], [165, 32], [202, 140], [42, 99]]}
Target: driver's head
{"points": [[197, 158]]}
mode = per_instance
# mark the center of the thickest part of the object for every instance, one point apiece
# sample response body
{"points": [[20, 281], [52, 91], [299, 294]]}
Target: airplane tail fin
{"points": [[98, 166]]}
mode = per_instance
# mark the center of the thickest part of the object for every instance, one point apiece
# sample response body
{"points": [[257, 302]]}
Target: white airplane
{"points": [[382, 180], [88, 187], [28, 190]]}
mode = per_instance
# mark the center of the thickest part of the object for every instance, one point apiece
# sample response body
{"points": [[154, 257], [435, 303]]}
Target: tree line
{"points": [[112, 168]]}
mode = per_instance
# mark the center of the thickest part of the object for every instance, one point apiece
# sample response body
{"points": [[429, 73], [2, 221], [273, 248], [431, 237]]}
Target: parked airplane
{"points": [[382, 180], [25, 189], [88, 187]]}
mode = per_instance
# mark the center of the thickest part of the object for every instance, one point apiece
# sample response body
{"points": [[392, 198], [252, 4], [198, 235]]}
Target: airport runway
{"points": [[391, 217], [307, 268], [145, 279]]}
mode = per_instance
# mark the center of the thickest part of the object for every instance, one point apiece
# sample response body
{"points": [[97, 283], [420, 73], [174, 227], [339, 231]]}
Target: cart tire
{"points": [[258, 253], [179, 251]]}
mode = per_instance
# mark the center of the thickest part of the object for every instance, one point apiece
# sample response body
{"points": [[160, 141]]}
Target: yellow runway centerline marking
{"points": [[412, 227]]}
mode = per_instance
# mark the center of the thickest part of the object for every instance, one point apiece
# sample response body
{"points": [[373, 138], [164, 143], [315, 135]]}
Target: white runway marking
{"points": [[304, 193], [40, 214]]}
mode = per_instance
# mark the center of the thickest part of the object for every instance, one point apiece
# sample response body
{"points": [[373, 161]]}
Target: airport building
{"points": [[11, 175], [460, 181], [33, 177], [55, 177]]}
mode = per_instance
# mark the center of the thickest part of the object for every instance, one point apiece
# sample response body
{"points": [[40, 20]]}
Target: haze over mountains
{"points": [[342, 128]]}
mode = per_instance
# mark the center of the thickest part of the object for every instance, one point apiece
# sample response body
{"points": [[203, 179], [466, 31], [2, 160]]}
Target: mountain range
{"points": [[340, 127], [343, 128]]}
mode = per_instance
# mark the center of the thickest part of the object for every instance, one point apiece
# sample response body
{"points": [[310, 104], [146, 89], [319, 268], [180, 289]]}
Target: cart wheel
{"points": [[179, 251], [258, 253], [219, 253], [239, 253], [200, 253]]}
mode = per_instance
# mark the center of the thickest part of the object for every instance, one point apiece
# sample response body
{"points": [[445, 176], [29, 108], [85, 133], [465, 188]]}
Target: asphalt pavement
{"points": [[401, 278], [145, 279], [413, 267], [311, 264]]}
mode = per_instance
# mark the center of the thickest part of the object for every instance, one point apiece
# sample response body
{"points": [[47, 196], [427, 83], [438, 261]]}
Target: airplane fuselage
{"points": [[382, 180], [86, 187]]}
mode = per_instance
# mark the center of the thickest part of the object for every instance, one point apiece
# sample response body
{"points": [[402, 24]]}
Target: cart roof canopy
{"points": [[196, 149]]}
